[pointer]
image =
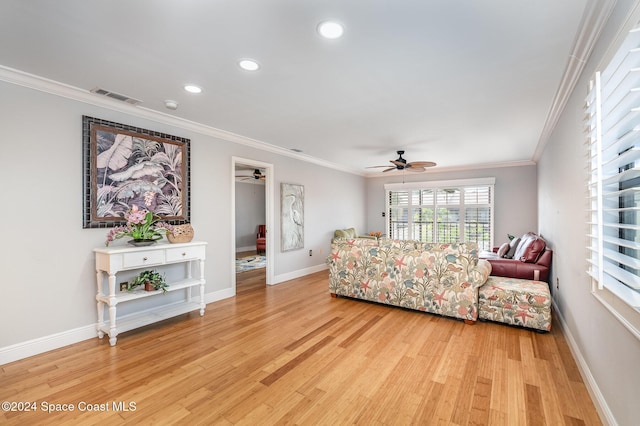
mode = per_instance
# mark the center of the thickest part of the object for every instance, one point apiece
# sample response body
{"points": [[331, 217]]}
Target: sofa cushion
{"points": [[468, 251], [533, 251], [504, 249], [513, 246], [400, 244]]}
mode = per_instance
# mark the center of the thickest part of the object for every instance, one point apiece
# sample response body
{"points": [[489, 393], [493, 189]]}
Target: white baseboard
{"points": [[47, 343], [247, 248], [606, 416], [54, 341], [219, 295], [299, 273]]}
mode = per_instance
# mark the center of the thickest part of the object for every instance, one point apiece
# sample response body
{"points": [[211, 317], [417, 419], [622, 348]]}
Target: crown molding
{"points": [[594, 18], [42, 84], [633, 17], [56, 88]]}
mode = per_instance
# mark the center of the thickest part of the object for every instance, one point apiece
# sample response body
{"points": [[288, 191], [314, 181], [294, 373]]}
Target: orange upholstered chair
{"points": [[261, 239]]}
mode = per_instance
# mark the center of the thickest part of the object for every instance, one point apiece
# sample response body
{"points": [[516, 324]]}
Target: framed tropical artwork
{"points": [[126, 166]]}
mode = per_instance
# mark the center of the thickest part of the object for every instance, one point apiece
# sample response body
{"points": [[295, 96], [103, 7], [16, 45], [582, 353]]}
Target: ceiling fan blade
{"points": [[402, 164], [421, 164]]}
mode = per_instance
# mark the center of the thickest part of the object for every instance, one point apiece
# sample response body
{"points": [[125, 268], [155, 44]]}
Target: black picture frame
{"points": [[125, 166]]}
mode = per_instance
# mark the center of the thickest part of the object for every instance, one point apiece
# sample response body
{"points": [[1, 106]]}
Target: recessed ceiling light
{"points": [[330, 29], [192, 89], [249, 64]]}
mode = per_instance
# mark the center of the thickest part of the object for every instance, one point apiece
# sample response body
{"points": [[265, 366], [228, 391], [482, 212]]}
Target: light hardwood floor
{"points": [[291, 354]]}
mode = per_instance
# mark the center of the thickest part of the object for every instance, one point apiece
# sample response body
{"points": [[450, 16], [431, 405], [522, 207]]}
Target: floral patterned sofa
{"points": [[438, 278]]}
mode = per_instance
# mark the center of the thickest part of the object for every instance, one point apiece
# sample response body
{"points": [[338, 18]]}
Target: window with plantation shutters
{"points": [[442, 212], [613, 141]]}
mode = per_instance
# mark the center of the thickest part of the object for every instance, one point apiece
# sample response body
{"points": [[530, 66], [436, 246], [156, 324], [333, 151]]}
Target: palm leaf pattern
{"points": [[138, 171]]}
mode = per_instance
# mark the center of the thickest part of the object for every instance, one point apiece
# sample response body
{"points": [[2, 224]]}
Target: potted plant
{"points": [[142, 225], [150, 279]]}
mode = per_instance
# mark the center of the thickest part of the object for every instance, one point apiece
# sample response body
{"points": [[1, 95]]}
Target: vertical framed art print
{"points": [[291, 216]]}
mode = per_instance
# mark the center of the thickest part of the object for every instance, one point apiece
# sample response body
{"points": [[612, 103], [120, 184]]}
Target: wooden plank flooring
{"points": [[291, 354]]}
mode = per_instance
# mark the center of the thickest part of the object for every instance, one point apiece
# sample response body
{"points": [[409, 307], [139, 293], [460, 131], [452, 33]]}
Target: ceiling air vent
{"points": [[117, 96]]}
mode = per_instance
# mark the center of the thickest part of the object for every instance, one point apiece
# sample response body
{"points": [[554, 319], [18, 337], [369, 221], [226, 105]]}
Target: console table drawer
{"points": [[185, 253], [142, 258]]}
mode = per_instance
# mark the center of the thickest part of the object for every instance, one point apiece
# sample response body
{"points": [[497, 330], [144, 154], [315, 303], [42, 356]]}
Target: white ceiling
{"points": [[459, 82]]}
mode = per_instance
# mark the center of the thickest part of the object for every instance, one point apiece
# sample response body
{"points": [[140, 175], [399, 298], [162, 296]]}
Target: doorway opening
{"points": [[252, 210]]}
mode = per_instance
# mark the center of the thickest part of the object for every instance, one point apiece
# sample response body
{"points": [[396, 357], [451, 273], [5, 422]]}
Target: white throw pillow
{"points": [[524, 244]]}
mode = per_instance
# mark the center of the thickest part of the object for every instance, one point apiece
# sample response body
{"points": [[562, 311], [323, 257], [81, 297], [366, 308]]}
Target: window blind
{"points": [[613, 139], [443, 212]]}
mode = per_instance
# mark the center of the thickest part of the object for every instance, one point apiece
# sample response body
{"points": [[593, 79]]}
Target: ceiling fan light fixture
{"points": [[256, 175]]}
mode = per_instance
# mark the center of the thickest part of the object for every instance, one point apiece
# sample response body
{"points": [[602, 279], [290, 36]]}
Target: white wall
{"points": [[47, 263], [515, 204], [250, 212], [331, 200], [608, 352]]}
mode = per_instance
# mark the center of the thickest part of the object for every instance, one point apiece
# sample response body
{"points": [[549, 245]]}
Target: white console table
{"points": [[111, 260]]}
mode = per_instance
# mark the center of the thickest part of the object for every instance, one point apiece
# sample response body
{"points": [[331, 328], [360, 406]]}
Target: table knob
{"points": [[184, 254], [144, 259]]}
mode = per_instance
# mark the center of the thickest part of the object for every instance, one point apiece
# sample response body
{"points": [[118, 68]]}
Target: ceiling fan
{"points": [[401, 164], [257, 175]]}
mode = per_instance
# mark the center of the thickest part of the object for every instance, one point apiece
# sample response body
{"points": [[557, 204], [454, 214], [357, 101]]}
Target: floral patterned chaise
{"points": [[514, 301], [438, 278]]}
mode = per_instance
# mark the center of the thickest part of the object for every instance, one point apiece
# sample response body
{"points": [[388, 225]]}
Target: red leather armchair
{"points": [[531, 259], [261, 239], [515, 268]]}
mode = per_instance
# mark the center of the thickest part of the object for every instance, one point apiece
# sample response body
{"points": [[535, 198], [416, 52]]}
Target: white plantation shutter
{"points": [[613, 139], [422, 217], [448, 215], [477, 215], [442, 212], [398, 214]]}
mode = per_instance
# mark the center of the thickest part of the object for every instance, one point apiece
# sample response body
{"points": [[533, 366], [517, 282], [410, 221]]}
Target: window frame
{"points": [[459, 184], [619, 299]]}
